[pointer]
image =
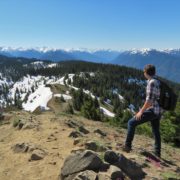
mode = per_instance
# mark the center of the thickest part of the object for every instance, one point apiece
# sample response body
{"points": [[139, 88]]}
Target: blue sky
{"points": [[114, 24]]}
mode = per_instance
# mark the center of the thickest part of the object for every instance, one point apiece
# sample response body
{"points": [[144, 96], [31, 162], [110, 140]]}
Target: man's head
{"points": [[149, 70]]}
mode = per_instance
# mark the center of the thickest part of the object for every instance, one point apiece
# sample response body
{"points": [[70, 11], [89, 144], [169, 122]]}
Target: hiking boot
{"points": [[157, 154], [126, 149]]}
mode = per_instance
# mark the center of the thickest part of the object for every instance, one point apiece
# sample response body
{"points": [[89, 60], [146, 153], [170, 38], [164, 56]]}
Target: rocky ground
{"points": [[53, 145]]}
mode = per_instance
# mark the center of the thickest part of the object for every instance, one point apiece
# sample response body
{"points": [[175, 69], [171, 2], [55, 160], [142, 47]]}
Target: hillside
{"points": [[96, 90], [36, 145], [70, 107]]}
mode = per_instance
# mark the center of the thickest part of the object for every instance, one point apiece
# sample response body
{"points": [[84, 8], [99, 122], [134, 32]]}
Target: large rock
{"points": [[111, 157], [91, 145], [132, 169], [75, 163]]}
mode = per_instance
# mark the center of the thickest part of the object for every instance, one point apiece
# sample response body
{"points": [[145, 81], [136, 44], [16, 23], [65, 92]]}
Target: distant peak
{"points": [[141, 51]]}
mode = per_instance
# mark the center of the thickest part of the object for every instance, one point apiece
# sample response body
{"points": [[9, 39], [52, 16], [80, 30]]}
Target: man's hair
{"points": [[150, 69]]}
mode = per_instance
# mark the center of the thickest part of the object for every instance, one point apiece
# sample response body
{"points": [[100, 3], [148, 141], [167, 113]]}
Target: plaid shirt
{"points": [[152, 95]]}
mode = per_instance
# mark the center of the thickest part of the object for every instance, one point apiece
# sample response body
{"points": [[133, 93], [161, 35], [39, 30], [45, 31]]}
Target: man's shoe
{"points": [[126, 149], [157, 154]]}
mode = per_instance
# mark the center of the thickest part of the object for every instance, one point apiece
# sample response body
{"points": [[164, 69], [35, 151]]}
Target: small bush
{"points": [[144, 129]]}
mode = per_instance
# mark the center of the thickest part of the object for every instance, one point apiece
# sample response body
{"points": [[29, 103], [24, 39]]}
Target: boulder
{"points": [[132, 169], [111, 157], [91, 145], [81, 161]]}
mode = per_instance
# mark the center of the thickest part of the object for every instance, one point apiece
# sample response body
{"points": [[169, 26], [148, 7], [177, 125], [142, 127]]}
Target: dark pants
{"points": [[148, 115]]}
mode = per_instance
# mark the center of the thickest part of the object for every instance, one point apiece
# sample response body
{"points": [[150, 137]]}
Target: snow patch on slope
{"points": [[107, 112], [39, 98], [66, 97]]}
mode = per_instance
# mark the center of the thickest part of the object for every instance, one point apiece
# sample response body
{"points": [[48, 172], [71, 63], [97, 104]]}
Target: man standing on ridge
{"points": [[150, 111]]}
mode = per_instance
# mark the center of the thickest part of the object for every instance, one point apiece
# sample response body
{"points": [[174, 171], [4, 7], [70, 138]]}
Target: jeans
{"points": [[148, 115]]}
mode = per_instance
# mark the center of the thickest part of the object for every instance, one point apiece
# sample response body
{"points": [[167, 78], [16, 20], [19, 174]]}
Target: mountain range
{"points": [[166, 61]]}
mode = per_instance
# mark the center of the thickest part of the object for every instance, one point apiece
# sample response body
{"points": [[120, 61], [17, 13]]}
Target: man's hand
{"points": [[145, 106], [138, 115]]}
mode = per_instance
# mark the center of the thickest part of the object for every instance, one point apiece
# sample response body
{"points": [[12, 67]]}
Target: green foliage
{"points": [[88, 106], [169, 175], [121, 119], [89, 110], [168, 128], [144, 129], [78, 99], [126, 116]]}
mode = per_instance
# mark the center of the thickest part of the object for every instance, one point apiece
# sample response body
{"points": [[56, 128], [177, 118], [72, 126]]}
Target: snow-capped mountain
{"points": [[167, 62], [94, 55]]}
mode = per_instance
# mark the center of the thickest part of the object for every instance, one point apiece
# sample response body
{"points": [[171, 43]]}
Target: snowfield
{"points": [[27, 84], [33, 89], [39, 98]]}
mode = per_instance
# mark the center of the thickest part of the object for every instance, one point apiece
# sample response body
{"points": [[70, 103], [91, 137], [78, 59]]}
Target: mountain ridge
{"points": [[167, 61]]}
